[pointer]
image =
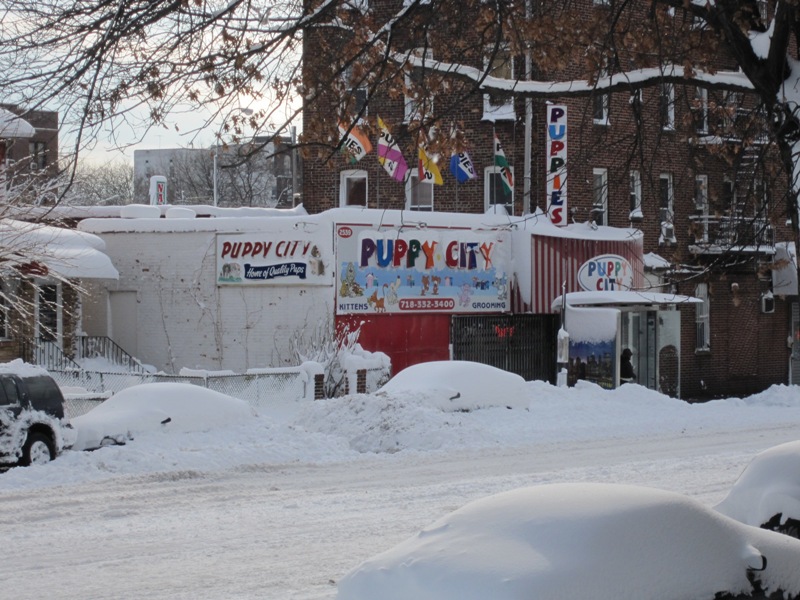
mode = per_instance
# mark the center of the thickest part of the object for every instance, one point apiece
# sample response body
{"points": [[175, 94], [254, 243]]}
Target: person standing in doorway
{"points": [[626, 372]]}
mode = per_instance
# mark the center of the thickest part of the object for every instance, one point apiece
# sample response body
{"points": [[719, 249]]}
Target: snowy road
{"points": [[290, 531]]}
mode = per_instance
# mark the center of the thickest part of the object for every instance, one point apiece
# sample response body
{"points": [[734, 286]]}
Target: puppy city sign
{"points": [[556, 155], [606, 273]]}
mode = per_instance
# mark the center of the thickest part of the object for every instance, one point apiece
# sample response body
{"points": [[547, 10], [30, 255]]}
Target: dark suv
{"points": [[33, 427]]}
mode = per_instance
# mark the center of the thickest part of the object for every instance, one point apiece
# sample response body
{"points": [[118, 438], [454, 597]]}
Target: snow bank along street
{"points": [[285, 504]]}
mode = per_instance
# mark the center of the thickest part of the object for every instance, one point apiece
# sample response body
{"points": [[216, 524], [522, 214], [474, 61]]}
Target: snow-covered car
{"points": [[33, 426], [454, 385], [157, 407], [767, 493], [582, 541]]}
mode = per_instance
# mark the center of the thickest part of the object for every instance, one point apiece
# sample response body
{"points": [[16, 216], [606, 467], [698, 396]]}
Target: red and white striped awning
{"points": [[557, 260]]}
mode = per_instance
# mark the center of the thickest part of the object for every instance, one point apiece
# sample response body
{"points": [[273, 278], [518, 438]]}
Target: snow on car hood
{"points": [[461, 385], [599, 541]]}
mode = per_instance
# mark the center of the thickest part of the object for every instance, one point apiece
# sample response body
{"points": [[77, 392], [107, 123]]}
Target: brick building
{"points": [[686, 165], [29, 144]]}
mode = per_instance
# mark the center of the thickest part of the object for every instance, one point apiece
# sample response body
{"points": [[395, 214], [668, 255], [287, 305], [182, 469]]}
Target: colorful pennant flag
{"points": [[389, 154], [428, 170], [461, 167], [355, 144], [502, 164]]}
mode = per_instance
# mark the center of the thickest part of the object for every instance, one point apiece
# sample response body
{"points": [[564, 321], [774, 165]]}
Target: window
{"points": [[9, 394], [600, 109], [666, 208], [600, 105], [38, 153], [5, 317], [356, 91], [700, 111], [701, 205], [729, 194], [600, 196], [500, 64], [353, 188], [636, 195], [48, 313], [419, 195], [417, 104], [762, 197], [666, 106], [495, 192], [702, 314]]}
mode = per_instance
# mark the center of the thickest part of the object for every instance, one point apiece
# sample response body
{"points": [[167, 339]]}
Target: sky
{"points": [[284, 504]]}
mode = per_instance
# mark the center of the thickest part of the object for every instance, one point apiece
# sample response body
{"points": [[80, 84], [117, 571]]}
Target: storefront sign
{"points": [[421, 270], [556, 156], [252, 258], [609, 273]]}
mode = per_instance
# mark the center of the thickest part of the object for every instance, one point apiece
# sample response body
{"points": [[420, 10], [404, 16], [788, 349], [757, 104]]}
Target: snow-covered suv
{"points": [[33, 426]]}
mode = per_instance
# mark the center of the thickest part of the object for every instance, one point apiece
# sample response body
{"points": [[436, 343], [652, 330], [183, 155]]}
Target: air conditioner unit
{"points": [[767, 303], [667, 231]]}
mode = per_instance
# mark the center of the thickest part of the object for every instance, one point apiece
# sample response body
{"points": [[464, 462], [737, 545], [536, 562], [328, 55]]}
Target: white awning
{"points": [[42, 249], [12, 126], [784, 271], [623, 299]]}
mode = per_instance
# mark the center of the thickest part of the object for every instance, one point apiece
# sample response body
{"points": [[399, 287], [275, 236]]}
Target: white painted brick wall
{"points": [[185, 320]]}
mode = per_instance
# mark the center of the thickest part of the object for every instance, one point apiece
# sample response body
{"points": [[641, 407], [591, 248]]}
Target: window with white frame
{"points": [[356, 90], [38, 155], [417, 103], [353, 188], [636, 195], [600, 103], [702, 318], [498, 106], [666, 106], [700, 110], [419, 194], [762, 197], [666, 208], [600, 196], [729, 201], [701, 206], [495, 193], [600, 109]]}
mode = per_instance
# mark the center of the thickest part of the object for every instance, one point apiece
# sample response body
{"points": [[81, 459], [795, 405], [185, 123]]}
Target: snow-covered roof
{"points": [[103, 220], [12, 126], [622, 299], [65, 252], [654, 261]]}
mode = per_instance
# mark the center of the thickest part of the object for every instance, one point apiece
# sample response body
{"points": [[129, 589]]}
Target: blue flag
{"points": [[461, 167]]}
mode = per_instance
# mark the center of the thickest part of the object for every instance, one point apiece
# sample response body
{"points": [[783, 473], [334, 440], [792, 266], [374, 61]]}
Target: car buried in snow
{"points": [[586, 541], [33, 426], [767, 493]]}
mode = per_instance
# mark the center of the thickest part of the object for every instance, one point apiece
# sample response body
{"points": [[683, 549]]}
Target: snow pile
{"points": [[597, 541], [22, 369]]}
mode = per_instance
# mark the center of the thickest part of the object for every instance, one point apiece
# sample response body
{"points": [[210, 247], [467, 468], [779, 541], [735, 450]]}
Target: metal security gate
{"points": [[521, 344]]}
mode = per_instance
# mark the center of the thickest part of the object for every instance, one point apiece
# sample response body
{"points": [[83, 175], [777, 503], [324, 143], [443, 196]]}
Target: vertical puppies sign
{"points": [[556, 153]]}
